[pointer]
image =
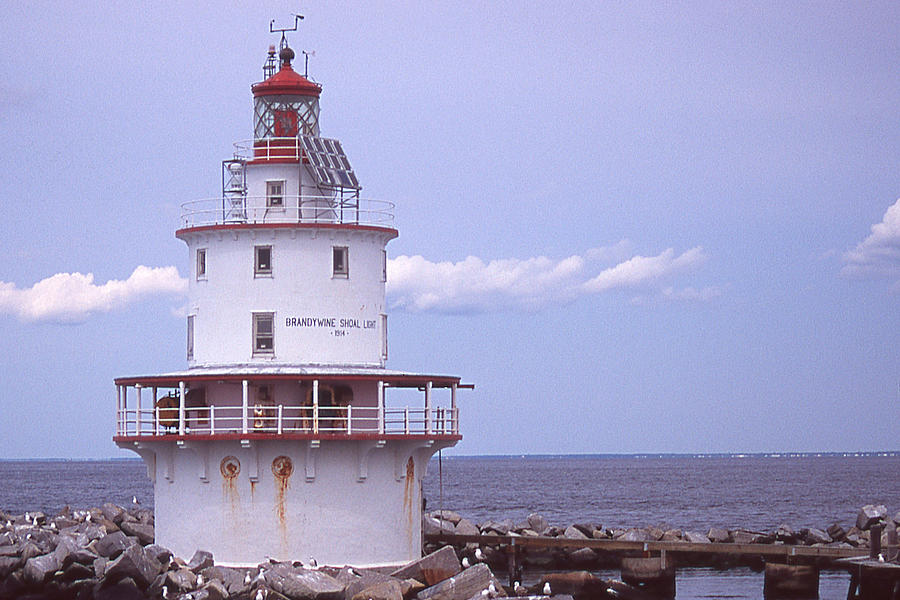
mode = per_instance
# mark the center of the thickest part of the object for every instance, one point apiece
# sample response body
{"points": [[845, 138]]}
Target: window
{"points": [[190, 337], [201, 263], [262, 261], [341, 266], [275, 194], [263, 333], [384, 353], [384, 265]]}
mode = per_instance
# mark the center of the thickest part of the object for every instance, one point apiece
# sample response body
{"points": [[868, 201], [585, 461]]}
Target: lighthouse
{"points": [[286, 436]]}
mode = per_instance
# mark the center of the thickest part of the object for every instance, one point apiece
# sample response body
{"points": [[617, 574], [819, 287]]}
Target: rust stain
{"points": [[409, 498], [230, 467], [282, 468], [252, 489]]}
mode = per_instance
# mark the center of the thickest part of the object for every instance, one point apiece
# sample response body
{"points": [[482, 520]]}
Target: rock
{"points": [[215, 590], [694, 537], [785, 535], [9, 550], [124, 589], [499, 527], [635, 535], [143, 532], [100, 566], [742, 536], [447, 515], [160, 553], [201, 560], [181, 579], [232, 579], [303, 584], [717, 535], [463, 586], [383, 590], [135, 564], [816, 536], [836, 532], [869, 515], [465, 527], [111, 545], [40, 569], [8, 564], [538, 523], [75, 571], [432, 568], [432, 526], [411, 587], [671, 535], [113, 512], [573, 533]]}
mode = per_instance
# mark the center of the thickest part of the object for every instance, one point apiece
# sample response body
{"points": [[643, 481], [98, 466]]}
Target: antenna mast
{"points": [[273, 29]]}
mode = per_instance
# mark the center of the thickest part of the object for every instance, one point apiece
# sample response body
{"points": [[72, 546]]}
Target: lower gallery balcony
{"points": [[277, 405]]}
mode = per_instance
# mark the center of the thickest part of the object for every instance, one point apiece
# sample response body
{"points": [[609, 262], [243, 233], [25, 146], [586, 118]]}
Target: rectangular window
{"points": [[384, 265], [262, 261], [201, 263], [264, 333], [190, 337], [340, 261], [384, 345], [275, 194]]}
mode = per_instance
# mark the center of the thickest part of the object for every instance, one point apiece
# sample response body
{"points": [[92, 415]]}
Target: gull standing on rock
{"points": [[546, 590], [465, 562], [479, 555]]}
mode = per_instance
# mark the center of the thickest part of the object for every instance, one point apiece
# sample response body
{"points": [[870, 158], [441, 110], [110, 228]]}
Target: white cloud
{"points": [[879, 254], [72, 297], [472, 285]]}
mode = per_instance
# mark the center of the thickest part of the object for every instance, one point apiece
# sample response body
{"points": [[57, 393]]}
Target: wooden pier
{"points": [[790, 570]]}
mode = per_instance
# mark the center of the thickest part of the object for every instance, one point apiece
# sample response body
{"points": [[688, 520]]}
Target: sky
{"points": [[634, 226]]}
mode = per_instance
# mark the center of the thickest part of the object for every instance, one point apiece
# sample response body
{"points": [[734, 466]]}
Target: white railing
{"points": [[282, 419], [295, 209]]}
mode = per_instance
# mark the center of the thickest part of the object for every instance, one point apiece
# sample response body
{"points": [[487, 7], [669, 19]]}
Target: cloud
{"points": [[73, 297], [879, 254], [473, 285]]}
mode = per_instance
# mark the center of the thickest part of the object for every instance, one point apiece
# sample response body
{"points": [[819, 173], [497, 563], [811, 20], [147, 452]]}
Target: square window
{"points": [[201, 263], [262, 260], [264, 333], [340, 261], [190, 337], [275, 194]]}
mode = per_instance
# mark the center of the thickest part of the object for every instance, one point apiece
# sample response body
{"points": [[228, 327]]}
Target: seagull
{"points": [[260, 594], [135, 501], [546, 590], [881, 558], [465, 562], [87, 519], [612, 592], [518, 589], [53, 525], [485, 593], [312, 563], [492, 590], [165, 591], [199, 580], [247, 579], [479, 554]]}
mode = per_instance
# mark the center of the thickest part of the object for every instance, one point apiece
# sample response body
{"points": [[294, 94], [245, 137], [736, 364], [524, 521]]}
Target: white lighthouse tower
{"points": [[285, 436]]}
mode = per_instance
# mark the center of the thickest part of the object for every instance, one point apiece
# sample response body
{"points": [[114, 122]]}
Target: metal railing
{"points": [[294, 209], [283, 419]]}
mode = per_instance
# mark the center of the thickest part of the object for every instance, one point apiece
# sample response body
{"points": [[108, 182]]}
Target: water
{"points": [[692, 493]]}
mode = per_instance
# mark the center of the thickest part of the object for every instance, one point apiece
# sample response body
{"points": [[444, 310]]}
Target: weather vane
{"points": [[273, 29]]}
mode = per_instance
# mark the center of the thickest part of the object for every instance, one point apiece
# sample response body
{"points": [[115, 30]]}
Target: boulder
{"points": [[383, 590], [538, 523], [215, 590], [160, 553], [465, 527], [40, 569], [574, 533], [717, 535], [671, 535], [785, 535], [816, 536], [432, 526], [836, 533], [694, 537], [133, 563], [635, 535], [447, 515], [463, 585], [869, 515], [181, 579], [201, 560], [143, 532], [111, 545], [124, 589], [303, 584], [76, 571], [8, 564], [232, 579], [113, 512], [432, 568], [68, 551]]}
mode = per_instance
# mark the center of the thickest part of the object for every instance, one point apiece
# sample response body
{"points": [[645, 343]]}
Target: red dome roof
{"points": [[286, 81]]}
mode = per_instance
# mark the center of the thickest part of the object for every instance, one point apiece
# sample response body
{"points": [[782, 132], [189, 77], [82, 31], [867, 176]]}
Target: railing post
{"points": [[212, 419], [406, 420], [118, 410], [454, 427], [181, 408], [428, 408], [381, 407], [244, 404], [315, 399], [349, 419], [138, 425], [153, 392], [280, 413]]}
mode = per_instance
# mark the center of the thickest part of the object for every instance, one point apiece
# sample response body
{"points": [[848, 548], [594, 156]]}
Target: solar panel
{"points": [[329, 163]]}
